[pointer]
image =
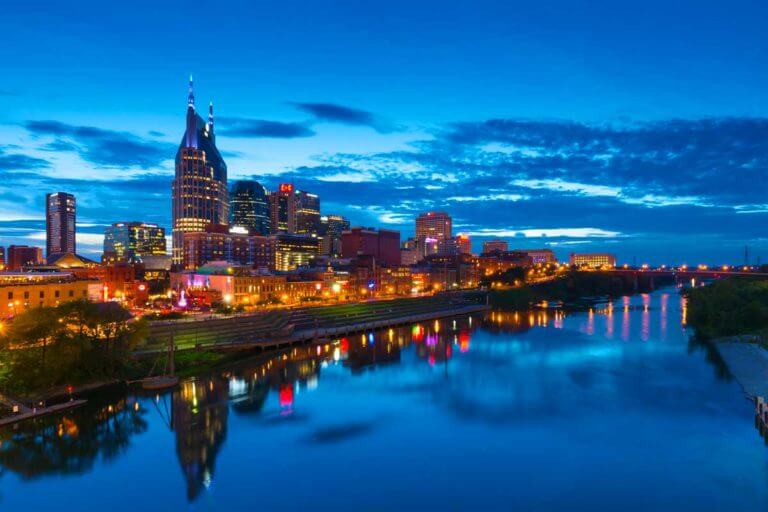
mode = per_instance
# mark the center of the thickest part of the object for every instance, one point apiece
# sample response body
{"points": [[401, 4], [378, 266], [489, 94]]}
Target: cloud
{"points": [[102, 147], [20, 162], [333, 113], [259, 128]]}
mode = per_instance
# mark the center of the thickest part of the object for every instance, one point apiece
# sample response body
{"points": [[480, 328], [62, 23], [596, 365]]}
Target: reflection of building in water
{"points": [[510, 322], [200, 409], [371, 351]]}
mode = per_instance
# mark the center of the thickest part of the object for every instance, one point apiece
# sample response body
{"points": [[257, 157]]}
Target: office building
{"points": [[434, 225], [490, 246], [292, 251], [200, 196], [249, 207], [2, 258], [593, 260], [21, 256], [382, 245], [131, 241], [282, 209], [219, 243], [307, 213], [540, 256], [59, 224], [331, 228]]}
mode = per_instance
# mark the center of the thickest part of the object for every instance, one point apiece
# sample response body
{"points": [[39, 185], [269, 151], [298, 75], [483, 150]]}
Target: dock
{"points": [[36, 413]]}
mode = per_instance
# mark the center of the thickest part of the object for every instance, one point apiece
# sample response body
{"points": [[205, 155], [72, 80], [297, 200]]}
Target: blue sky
{"points": [[636, 128]]}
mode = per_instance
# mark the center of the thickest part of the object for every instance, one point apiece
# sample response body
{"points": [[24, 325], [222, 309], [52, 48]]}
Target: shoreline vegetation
{"points": [[729, 307], [575, 290]]}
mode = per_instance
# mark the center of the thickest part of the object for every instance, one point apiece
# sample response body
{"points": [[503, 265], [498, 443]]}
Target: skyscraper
{"points": [[129, 241], [307, 213], [331, 228], [282, 209], [59, 224], [200, 185], [435, 225], [249, 207]]}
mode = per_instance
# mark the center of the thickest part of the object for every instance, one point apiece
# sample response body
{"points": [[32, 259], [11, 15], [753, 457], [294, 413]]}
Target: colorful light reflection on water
{"points": [[609, 408]]}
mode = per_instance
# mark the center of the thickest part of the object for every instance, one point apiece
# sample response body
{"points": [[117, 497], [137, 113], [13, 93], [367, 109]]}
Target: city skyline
{"points": [[648, 163]]}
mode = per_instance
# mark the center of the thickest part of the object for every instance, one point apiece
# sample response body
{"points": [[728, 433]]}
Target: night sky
{"points": [[639, 128]]}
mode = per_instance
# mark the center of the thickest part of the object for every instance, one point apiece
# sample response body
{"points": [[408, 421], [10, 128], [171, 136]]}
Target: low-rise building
{"points": [[20, 291], [491, 263], [490, 246], [539, 256], [241, 285], [593, 260]]}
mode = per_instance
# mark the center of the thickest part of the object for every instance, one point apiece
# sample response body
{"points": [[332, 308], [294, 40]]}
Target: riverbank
{"points": [[207, 344], [575, 289], [747, 362]]}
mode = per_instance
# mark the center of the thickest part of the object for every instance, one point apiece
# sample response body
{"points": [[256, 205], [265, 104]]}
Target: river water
{"points": [[607, 409]]}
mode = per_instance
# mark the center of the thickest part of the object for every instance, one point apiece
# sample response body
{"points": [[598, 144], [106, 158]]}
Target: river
{"points": [[607, 409]]}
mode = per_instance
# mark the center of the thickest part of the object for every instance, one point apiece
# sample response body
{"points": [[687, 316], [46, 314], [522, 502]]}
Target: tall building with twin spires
{"points": [[200, 185]]}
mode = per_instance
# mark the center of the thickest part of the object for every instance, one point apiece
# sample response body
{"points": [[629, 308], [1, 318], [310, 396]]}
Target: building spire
{"points": [[210, 116], [190, 135], [191, 99]]}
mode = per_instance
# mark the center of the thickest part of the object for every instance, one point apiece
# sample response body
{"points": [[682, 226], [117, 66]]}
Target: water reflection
{"points": [[506, 368], [72, 443]]}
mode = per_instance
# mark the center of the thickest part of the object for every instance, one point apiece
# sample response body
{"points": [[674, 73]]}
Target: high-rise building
{"points": [[282, 209], [59, 224], [490, 246], [131, 241], [307, 213], [2, 258], [20, 256], [463, 243], [249, 208], [331, 228], [293, 251], [436, 225], [382, 245], [200, 185], [218, 243]]}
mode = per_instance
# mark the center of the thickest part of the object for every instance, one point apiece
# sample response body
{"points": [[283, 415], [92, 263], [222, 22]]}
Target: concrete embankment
{"points": [[284, 328], [747, 362]]}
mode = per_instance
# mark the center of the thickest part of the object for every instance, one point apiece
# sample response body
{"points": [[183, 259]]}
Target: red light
{"points": [[286, 188], [286, 395]]}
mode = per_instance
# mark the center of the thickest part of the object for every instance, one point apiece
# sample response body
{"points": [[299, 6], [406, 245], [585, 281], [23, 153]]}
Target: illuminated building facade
{"points": [[218, 243], [383, 245], [490, 263], [540, 256], [130, 241], [436, 225], [490, 246], [249, 207], [593, 260], [331, 228], [2, 258], [237, 285], [20, 291], [307, 213], [20, 256], [282, 209], [292, 251], [59, 224], [200, 195]]}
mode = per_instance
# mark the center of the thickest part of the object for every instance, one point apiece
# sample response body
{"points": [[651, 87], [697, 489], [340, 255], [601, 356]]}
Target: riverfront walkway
{"points": [[288, 327], [748, 363]]}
